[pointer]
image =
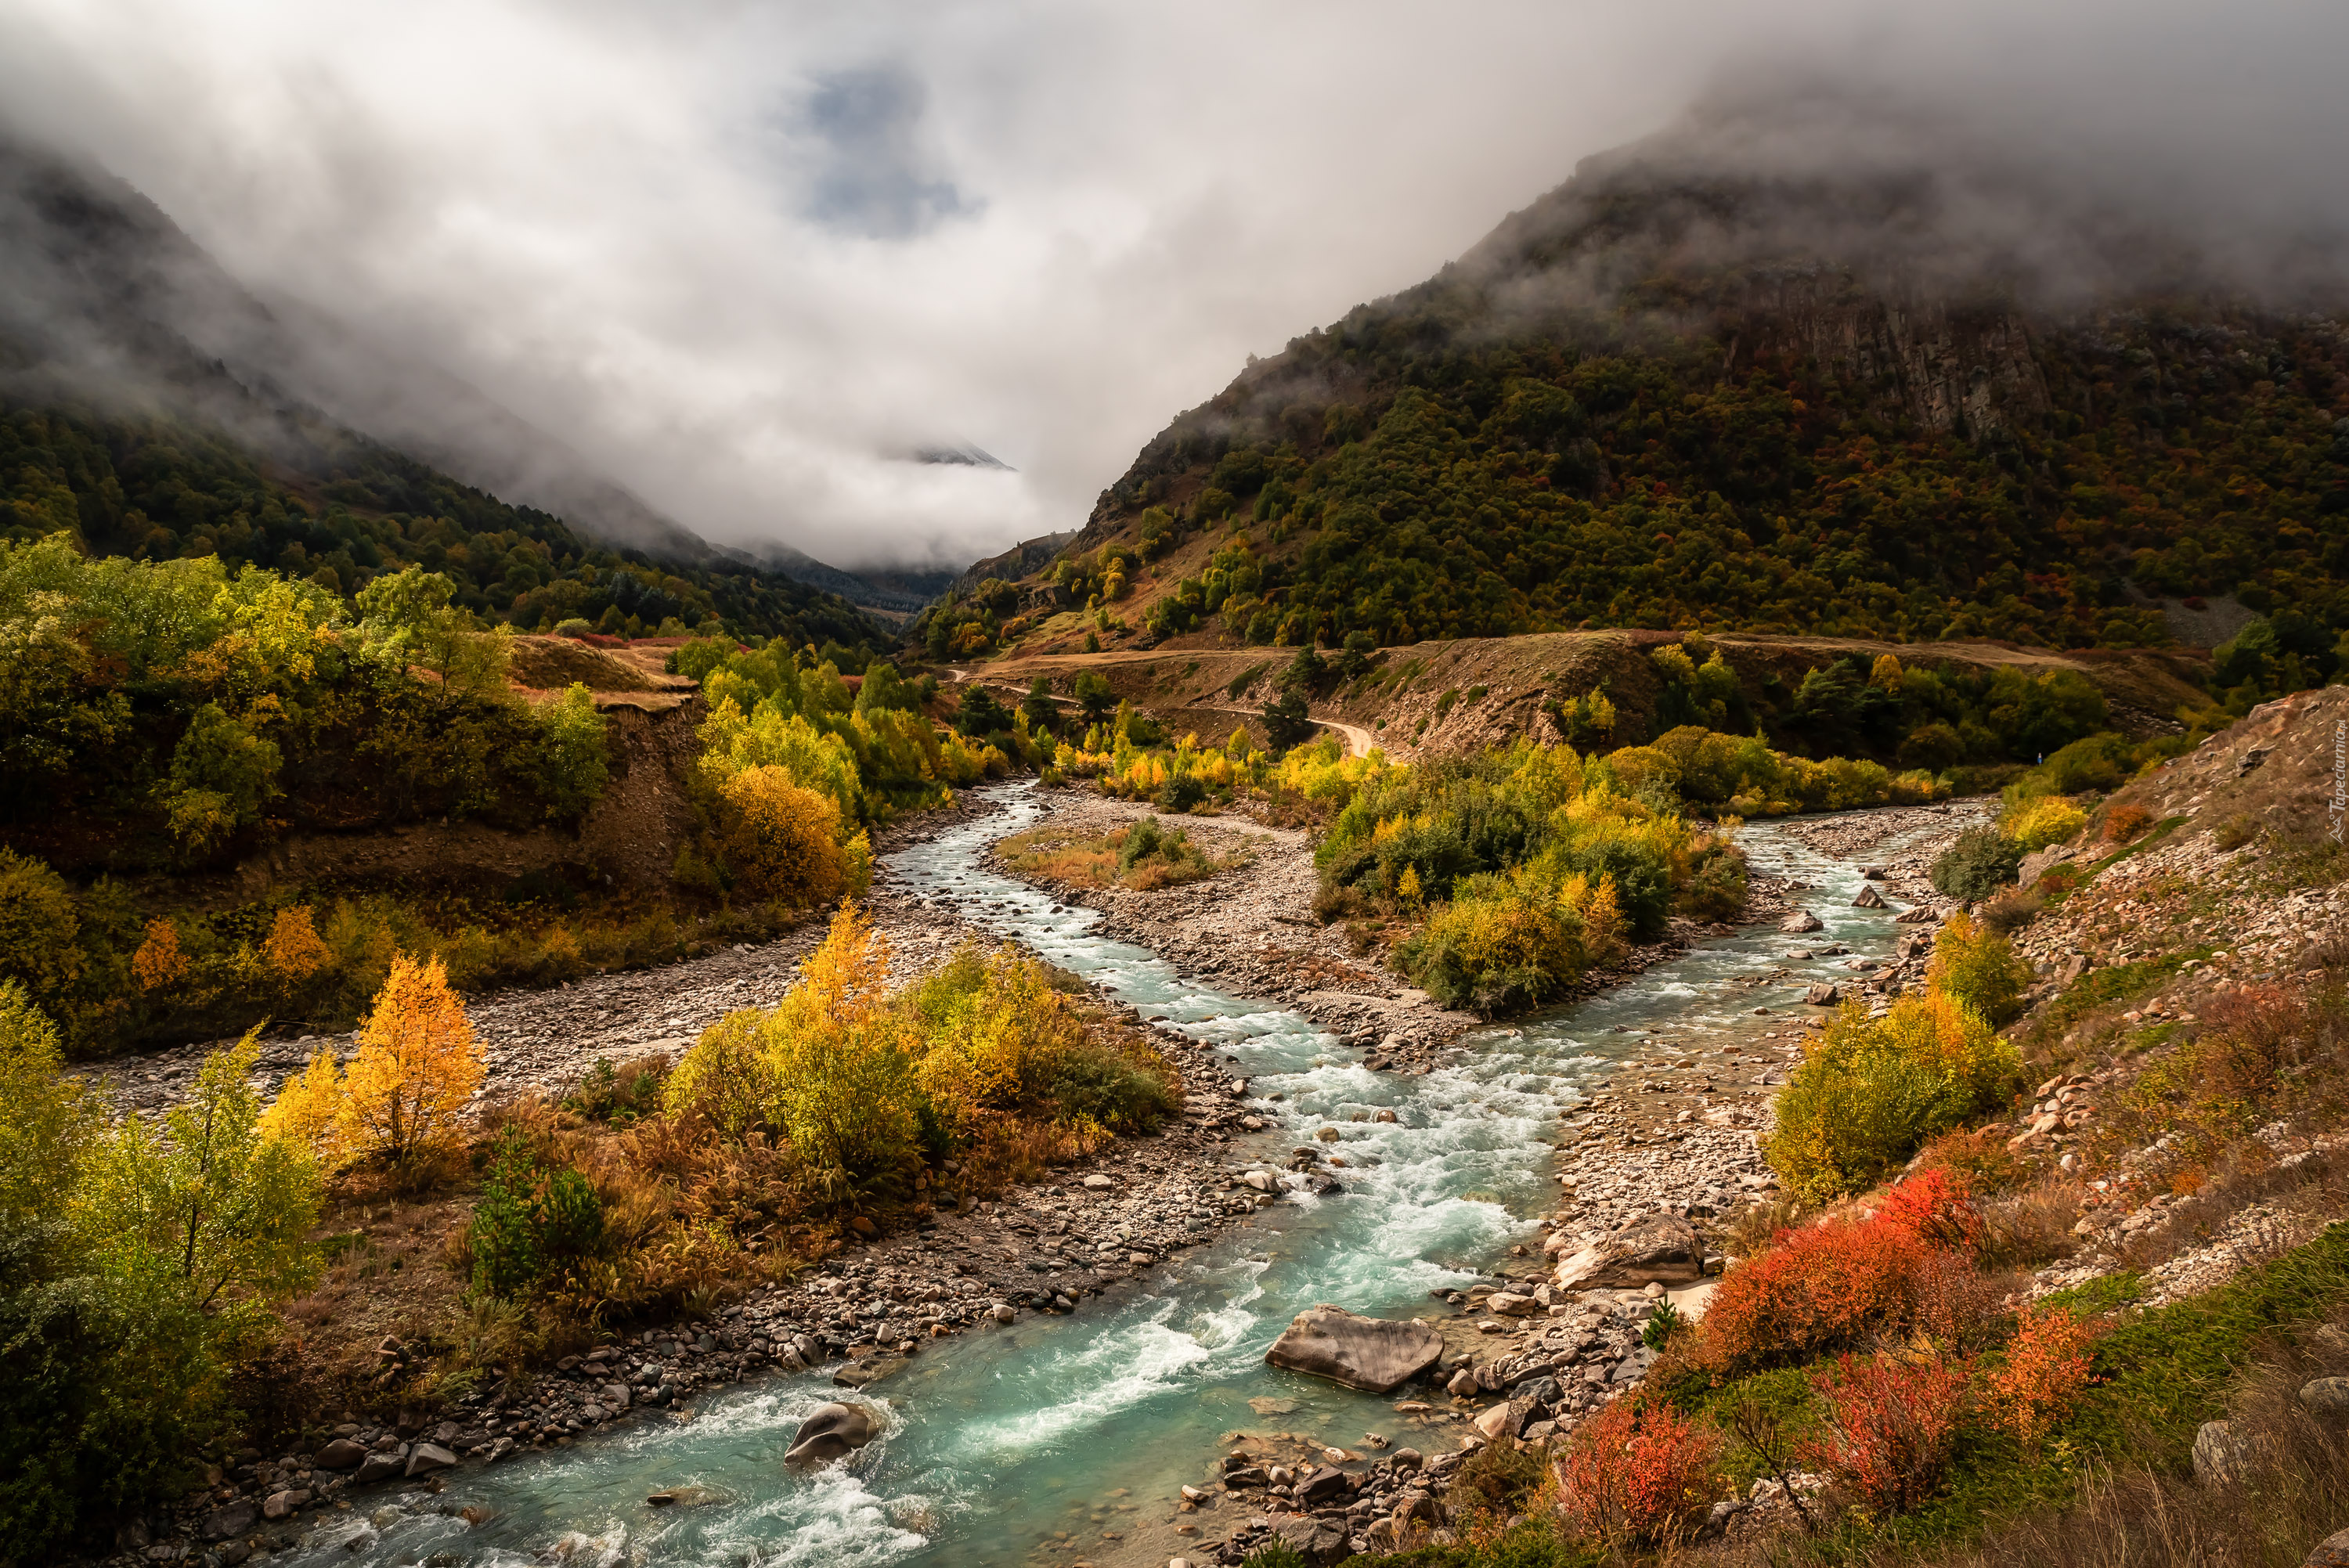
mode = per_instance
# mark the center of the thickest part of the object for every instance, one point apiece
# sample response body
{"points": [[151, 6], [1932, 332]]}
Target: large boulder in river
{"points": [[1660, 1250], [1376, 1354], [1801, 921], [832, 1431], [1869, 899]]}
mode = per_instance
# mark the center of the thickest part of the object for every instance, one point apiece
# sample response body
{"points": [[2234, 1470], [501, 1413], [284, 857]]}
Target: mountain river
{"points": [[1061, 1439]]}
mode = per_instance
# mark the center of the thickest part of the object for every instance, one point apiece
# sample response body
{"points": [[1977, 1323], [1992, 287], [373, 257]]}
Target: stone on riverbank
{"points": [[426, 1458], [1660, 1250], [1373, 1353]]}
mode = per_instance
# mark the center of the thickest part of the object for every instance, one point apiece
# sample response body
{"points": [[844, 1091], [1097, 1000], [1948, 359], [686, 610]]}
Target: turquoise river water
{"points": [[1027, 1444]]}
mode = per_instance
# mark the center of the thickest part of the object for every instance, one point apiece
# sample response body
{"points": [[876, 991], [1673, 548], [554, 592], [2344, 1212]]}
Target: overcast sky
{"points": [[750, 257]]}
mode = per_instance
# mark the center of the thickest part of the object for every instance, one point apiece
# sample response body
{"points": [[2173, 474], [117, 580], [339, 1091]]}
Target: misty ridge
{"points": [[1797, 211], [1910, 238], [110, 305]]}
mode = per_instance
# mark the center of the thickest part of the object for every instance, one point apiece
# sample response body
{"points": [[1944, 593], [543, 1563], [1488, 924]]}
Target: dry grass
{"points": [[1055, 855], [2010, 911], [2031, 1228]]}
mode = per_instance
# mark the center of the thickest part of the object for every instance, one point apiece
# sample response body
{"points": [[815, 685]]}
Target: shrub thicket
{"points": [[855, 1084], [136, 1264], [1978, 966], [1978, 864], [1870, 1091]]}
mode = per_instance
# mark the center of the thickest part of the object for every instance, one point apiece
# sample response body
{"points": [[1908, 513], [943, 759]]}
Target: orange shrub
{"points": [[1644, 1475], [417, 1067], [292, 950], [782, 839], [1891, 1427], [1844, 1283], [1818, 1288], [2047, 1366], [2123, 824], [1935, 1207], [159, 961]]}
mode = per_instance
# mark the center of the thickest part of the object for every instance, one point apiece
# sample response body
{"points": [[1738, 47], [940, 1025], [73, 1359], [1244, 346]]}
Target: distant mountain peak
{"points": [[962, 454]]}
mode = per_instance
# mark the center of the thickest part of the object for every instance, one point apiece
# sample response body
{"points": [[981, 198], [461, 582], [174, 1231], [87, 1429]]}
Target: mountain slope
{"points": [[1915, 401], [151, 404]]}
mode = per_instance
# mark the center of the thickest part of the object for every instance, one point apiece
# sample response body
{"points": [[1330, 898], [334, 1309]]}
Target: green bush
{"points": [[1146, 839], [532, 1225], [1981, 861], [1097, 1083], [570, 767], [1181, 792]]}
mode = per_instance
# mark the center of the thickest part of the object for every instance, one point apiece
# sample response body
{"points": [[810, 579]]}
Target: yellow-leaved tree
{"points": [[292, 950], [783, 840], [307, 1107], [212, 1197], [417, 1067], [829, 1071]]}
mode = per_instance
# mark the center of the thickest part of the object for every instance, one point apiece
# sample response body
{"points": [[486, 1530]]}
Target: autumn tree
{"points": [[46, 1119], [418, 1065], [782, 839], [213, 1198], [159, 961], [292, 950], [308, 1110]]}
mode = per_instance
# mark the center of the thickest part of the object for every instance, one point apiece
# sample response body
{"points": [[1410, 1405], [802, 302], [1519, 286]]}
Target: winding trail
{"points": [[1358, 740]]}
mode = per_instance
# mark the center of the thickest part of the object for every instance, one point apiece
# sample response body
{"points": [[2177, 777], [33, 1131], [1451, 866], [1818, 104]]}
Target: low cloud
{"points": [[746, 258]]}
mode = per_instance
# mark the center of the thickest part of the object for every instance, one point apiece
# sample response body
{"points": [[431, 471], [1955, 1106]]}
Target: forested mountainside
{"points": [[152, 409], [1671, 394]]}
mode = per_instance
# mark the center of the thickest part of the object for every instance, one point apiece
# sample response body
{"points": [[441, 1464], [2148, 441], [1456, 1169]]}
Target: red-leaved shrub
{"points": [[2047, 1366], [1845, 1284], [1891, 1427], [1817, 1288], [2123, 824], [1952, 1304], [1936, 1207], [1639, 1475]]}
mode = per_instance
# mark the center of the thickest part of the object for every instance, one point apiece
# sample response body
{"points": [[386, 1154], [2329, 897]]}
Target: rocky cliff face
{"points": [[1951, 369]]}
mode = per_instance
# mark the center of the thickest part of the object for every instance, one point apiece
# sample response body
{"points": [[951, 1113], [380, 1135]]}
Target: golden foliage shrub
{"points": [[159, 961], [417, 1068], [998, 1036], [292, 950], [828, 1070], [1979, 967], [784, 841], [1872, 1091], [857, 1084], [308, 1108], [2037, 823]]}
